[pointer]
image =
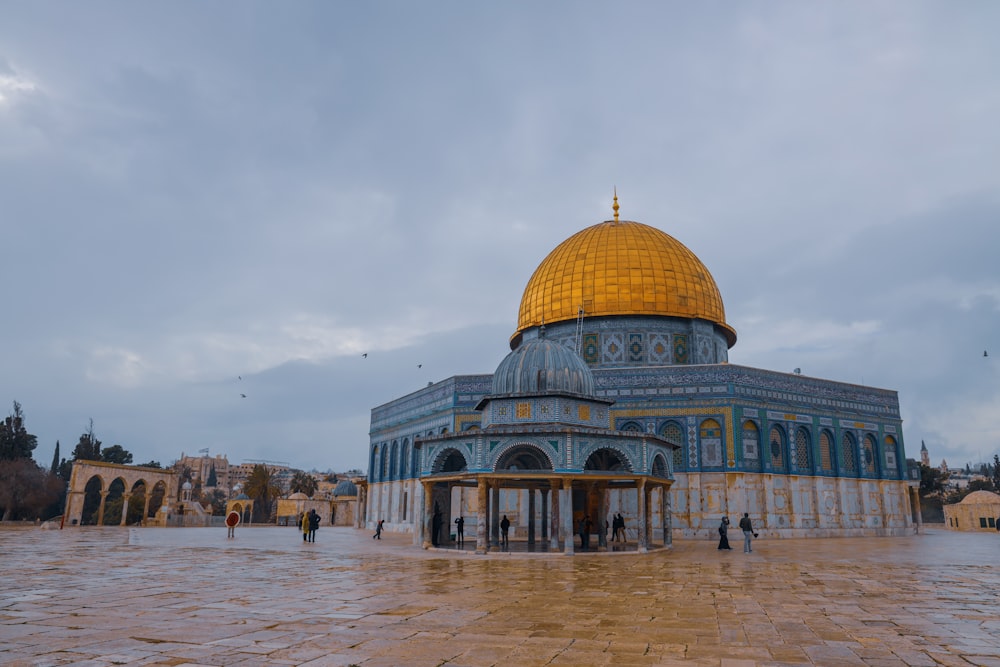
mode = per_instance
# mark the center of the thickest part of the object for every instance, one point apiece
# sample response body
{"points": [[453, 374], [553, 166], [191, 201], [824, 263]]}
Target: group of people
{"points": [[748, 533], [310, 524]]}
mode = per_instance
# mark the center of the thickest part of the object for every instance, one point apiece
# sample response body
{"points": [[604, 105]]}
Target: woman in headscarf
{"points": [[724, 534]]}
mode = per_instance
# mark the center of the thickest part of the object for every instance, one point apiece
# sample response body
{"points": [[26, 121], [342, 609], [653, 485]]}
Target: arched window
{"points": [[404, 460], [751, 445], [849, 453], [659, 468], [826, 451], [776, 446], [868, 454], [373, 465], [711, 443], [523, 457], [393, 458], [672, 431], [890, 456], [631, 427], [803, 461], [607, 459], [450, 460], [385, 464]]}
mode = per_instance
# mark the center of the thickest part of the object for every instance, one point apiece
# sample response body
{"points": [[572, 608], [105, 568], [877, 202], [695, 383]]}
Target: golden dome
{"points": [[621, 268]]}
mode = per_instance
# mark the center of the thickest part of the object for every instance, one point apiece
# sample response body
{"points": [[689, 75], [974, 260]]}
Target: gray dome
{"points": [[345, 487], [541, 366]]}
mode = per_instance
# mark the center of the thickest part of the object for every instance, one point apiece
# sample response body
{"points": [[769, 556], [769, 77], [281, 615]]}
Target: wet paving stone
{"points": [[190, 597]]}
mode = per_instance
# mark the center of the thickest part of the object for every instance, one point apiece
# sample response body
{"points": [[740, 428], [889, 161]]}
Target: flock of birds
{"points": [[364, 355]]}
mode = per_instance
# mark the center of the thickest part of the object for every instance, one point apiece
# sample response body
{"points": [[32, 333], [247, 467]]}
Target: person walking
{"points": [[747, 527], [621, 528], [378, 530], [460, 531], [304, 525], [723, 534], [313, 524], [504, 527]]}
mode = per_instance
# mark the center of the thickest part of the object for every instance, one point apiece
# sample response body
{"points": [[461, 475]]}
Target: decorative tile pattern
{"points": [[589, 350], [659, 349], [680, 348], [613, 349], [635, 348]]}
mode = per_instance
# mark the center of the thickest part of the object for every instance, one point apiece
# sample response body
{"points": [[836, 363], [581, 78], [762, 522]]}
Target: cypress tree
{"points": [[55, 460]]}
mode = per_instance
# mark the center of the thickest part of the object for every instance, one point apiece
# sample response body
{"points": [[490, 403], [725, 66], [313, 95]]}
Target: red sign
{"points": [[233, 519]]}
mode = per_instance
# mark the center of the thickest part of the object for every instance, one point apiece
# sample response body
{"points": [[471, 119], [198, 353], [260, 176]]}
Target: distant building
{"points": [[201, 469], [980, 510]]}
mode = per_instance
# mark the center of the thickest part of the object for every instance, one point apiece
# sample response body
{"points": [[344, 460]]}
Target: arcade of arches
{"points": [[95, 486]]}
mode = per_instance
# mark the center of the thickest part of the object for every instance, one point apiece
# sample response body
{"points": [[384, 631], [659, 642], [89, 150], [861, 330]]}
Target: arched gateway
{"points": [[132, 480]]}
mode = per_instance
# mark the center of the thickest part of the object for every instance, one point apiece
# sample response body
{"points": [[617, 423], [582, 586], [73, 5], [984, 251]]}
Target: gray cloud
{"points": [[190, 194]]}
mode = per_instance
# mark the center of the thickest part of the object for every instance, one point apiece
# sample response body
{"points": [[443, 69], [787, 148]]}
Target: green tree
{"points": [[932, 481], [978, 485], [262, 487], [89, 447], [303, 482], [26, 489], [151, 464], [15, 441], [212, 480], [996, 473], [55, 461], [214, 500], [932, 486], [116, 454]]}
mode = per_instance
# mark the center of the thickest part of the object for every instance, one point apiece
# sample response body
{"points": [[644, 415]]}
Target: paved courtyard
{"points": [[104, 596]]}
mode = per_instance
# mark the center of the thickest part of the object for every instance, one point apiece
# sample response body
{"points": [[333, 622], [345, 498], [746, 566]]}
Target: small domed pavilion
{"points": [[544, 432]]}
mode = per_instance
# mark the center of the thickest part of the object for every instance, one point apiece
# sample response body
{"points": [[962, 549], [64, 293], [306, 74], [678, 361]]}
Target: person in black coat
{"points": [[313, 525]]}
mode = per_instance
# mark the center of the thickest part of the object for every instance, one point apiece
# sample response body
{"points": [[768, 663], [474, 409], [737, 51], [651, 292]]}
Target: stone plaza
{"points": [[190, 596]]}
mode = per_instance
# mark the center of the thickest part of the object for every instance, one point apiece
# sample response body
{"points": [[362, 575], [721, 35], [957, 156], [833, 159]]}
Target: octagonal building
{"points": [[803, 456]]}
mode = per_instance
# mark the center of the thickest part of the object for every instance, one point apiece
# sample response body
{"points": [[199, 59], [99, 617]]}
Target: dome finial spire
{"points": [[614, 206]]}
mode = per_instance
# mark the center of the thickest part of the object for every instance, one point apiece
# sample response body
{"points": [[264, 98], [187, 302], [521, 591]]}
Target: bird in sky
{"points": [[364, 355], [243, 395], [985, 353], [420, 365], [240, 376]]}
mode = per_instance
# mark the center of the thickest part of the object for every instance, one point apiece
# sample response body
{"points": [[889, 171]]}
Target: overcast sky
{"points": [[191, 193]]}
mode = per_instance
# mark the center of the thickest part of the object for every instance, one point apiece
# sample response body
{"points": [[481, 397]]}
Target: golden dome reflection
{"points": [[621, 268]]}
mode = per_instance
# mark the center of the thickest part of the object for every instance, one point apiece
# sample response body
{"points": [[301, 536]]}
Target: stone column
{"points": [[145, 507], [74, 507], [100, 510], [482, 502], [601, 520], [361, 508], [495, 515], [665, 514], [545, 514], [555, 521], [642, 499], [915, 502], [567, 519], [531, 516], [124, 521], [428, 514]]}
